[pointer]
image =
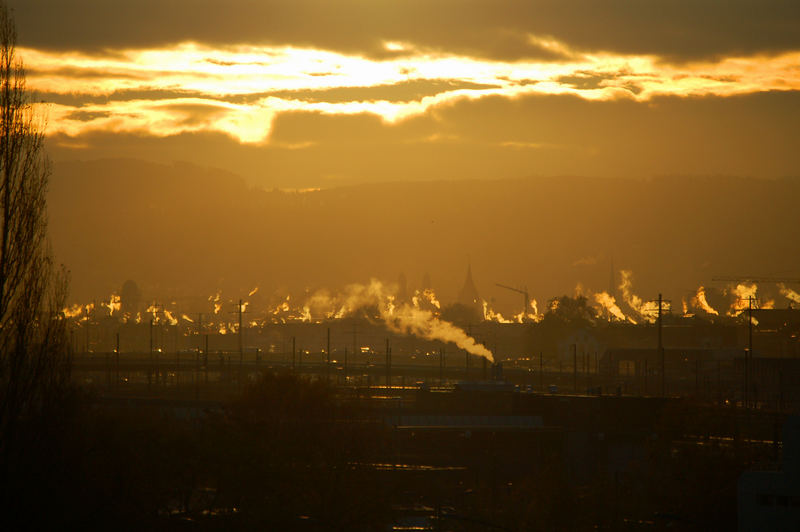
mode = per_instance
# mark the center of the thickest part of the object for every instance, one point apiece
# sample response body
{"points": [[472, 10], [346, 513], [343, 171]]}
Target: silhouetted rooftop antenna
{"points": [[612, 289], [241, 311]]}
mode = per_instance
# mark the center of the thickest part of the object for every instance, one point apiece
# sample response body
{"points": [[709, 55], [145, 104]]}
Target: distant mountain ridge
{"points": [[186, 229]]}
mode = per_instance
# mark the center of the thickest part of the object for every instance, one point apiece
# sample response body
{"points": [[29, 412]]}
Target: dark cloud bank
{"points": [[676, 29]]}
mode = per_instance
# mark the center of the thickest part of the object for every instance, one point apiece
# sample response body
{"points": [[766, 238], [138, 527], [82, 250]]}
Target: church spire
{"points": [[469, 293]]}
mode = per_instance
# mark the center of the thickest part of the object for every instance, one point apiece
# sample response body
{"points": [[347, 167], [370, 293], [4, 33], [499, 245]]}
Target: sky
{"points": [[327, 99], [313, 93]]}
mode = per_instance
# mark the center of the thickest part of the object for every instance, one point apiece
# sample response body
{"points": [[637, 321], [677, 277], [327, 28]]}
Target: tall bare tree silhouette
{"points": [[34, 356]]}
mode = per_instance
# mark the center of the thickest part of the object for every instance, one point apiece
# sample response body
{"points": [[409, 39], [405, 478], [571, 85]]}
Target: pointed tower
{"points": [[468, 296]]}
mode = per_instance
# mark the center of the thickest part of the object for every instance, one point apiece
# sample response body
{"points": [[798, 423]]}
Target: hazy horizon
{"points": [[186, 230]]}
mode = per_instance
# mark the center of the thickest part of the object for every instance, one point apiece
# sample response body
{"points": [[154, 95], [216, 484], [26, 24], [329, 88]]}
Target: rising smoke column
{"points": [[76, 311], [647, 311], [402, 318], [742, 293], [609, 304], [532, 315], [699, 301], [426, 297], [409, 320], [215, 300], [170, 318], [790, 294], [114, 304], [490, 315]]}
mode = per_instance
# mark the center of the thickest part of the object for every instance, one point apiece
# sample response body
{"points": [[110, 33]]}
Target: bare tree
{"points": [[34, 356]]}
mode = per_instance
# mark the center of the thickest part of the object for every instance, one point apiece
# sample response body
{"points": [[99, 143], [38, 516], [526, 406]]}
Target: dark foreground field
{"points": [[291, 453]]}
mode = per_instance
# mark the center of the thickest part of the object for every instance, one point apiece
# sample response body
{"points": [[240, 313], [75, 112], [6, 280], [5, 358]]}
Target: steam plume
{"points": [[426, 297], [743, 293], [401, 318], [699, 300], [170, 318], [490, 315], [113, 305], [605, 300], [790, 294], [215, 300], [646, 310]]}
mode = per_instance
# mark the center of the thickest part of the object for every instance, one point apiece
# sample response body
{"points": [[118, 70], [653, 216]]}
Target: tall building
{"points": [[130, 297], [468, 296]]}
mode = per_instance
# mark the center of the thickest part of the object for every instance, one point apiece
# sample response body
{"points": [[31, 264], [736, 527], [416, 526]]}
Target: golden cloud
{"points": [[233, 90]]}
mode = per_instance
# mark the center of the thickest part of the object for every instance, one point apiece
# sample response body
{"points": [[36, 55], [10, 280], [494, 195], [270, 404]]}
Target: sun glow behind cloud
{"points": [[240, 90]]}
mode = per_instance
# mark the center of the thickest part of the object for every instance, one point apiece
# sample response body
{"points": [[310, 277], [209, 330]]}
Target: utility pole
{"points": [[240, 334], [588, 369], [199, 331], [541, 372], [466, 354], [575, 368], [661, 351], [241, 339], [585, 366], [328, 357], [152, 365], [196, 379], [441, 366], [293, 353], [116, 351], [205, 359], [86, 310], [388, 364], [153, 350], [749, 355], [355, 349], [696, 376]]}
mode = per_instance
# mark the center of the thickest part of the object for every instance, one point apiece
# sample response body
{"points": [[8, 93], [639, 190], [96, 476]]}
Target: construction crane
{"points": [[524, 292], [756, 279]]}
